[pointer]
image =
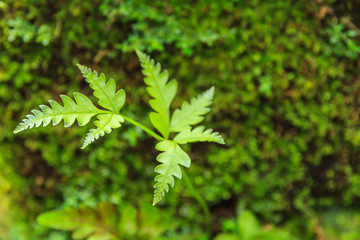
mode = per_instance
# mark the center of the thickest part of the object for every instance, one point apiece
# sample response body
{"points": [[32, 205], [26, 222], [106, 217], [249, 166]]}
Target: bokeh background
{"points": [[287, 79]]}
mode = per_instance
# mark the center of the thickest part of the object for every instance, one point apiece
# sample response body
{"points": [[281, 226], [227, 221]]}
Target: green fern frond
{"points": [[191, 113], [198, 134], [104, 124], [85, 223], [82, 110], [162, 92], [104, 91], [170, 159]]}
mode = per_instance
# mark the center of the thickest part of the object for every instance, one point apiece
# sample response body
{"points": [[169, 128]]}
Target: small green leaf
{"points": [[104, 124], [83, 232], [103, 235], [81, 110], [198, 134], [63, 220], [108, 214], [162, 92], [85, 222], [248, 225], [191, 113], [170, 159], [104, 90]]}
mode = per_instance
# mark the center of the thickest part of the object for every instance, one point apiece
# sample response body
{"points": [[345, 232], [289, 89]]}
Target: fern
{"points": [[162, 92], [198, 135], [104, 91], [82, 110], [104, 125], [191, 113], [170, 159]]}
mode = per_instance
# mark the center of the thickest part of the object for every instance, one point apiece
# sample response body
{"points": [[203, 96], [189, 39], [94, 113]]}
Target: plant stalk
{"points": [[197, 196], [153, 134]]}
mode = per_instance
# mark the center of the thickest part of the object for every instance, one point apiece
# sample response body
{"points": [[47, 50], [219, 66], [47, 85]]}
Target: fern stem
{"points": [[153, 134], [197, 196]]}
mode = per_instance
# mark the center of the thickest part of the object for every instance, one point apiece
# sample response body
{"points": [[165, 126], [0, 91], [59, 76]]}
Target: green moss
{"points": [[286, 99]]}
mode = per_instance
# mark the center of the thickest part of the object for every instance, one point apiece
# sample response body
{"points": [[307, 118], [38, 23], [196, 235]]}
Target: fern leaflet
{"points": [[104, 124], [162, 92], [198, 134], [104, 91], [191, 113], [170, 159], [82, 110]]}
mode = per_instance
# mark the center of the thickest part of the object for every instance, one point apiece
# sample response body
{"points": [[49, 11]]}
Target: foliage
{"points": [[171, 159], [191, 114], [83, 110], [162, 91], [287, 104], [107, 222], [198, 134], [247, 227], [105, 91], [342, 41], [85, 222], [340, 224]]}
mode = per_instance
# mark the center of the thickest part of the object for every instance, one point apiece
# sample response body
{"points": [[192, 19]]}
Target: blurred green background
{"points": [[287, 79]]}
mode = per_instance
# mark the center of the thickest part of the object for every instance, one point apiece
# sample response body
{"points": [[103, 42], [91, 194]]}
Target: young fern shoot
{"points": [[162, 91]]}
